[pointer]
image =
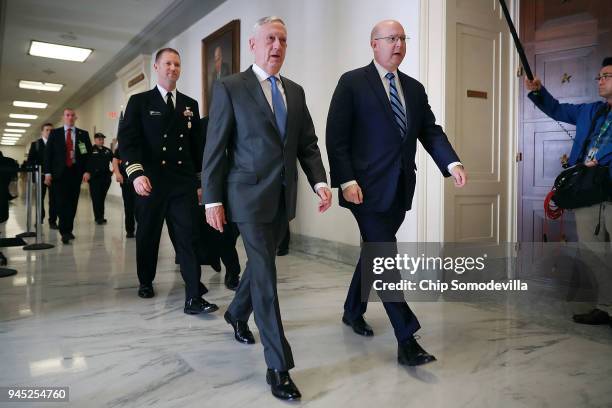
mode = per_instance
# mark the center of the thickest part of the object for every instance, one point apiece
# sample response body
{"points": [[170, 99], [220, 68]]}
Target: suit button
{"points": [[165, 136], [180, 162], [163, 162], [180, 148], [164, 148], [181, 136]]}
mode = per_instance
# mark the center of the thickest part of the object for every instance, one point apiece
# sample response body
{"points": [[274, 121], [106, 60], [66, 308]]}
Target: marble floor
{"points": [[71, 317]]}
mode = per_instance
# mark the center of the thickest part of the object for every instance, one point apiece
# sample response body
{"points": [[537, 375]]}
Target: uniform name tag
{"points": [[82, 148], [154, 113]]}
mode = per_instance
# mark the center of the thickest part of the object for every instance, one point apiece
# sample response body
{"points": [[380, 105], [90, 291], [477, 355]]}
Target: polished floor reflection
{"points": [[71, 317]]}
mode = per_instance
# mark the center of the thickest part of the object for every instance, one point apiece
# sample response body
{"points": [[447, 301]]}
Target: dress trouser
{"points": [[594, 252], [98, 188], [66, 190], [129, 196], [257, 291], [52, 204], [175, 202], [381, 227]]}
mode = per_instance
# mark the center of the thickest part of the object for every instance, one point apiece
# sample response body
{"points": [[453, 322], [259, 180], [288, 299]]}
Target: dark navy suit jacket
{"points": [[364, 142]]}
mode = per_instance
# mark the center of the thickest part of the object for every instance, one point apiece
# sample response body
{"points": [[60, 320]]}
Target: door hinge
{"points": [[519, 157]]}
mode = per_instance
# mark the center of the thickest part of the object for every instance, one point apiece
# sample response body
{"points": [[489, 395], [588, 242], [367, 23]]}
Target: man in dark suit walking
{"points": [[376, 115], [259, 125], [36, 157], [160, 142], [65, 165]]}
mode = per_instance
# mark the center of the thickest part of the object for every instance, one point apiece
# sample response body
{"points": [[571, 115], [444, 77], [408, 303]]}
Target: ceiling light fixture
{"points": [[22, 116], [6, 130], [40, 86], [18, 124], [35, 105], [58, 51]]}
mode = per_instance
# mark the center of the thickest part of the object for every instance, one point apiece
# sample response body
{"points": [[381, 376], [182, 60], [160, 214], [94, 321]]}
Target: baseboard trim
{"points": [[325, 249]]}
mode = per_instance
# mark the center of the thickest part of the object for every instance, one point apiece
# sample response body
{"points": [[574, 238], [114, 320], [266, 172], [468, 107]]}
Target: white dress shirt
{"points": [[382, 72], [164, 94], [266, 87]]}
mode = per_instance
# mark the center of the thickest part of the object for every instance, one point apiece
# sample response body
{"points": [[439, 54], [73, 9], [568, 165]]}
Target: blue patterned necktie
{"points": [[396, 105], [278, 105]]}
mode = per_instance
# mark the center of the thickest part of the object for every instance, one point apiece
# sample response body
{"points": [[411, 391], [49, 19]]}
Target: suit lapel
{"points": [[254, 87], [379, 90]]}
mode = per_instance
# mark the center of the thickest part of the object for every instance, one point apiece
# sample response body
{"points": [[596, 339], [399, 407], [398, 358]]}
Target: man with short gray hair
{"points": [[259, 127]]}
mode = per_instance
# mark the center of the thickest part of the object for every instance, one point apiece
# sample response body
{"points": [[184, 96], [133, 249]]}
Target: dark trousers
{"points": [[52, 204], [175, 203], [380, 227], [129, 197], [66, 190], [98, 187], [257, 289], [227, 249]]}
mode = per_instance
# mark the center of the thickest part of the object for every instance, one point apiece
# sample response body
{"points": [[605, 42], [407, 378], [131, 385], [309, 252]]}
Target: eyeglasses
{"points": [[392, 39], [604, 77]]}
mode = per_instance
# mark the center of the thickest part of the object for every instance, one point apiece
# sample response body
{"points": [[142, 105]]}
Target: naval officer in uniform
{"points": [[160, 142]]}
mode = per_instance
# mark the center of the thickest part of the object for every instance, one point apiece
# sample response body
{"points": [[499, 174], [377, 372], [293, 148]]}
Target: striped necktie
{"points": [[396, 105]]}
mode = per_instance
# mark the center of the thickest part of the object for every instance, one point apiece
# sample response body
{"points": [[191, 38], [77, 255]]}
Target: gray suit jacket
{"points": [[245, 161]]}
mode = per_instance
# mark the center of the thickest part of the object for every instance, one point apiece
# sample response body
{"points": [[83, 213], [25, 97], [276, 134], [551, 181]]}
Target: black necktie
{"points": [[169, 102]]}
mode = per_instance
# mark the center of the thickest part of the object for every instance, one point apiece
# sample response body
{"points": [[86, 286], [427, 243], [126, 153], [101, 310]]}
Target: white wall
{"points": [[18, 153], [325, 39]]}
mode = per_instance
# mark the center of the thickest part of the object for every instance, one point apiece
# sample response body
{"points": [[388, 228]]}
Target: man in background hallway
{"points": [[68, 150], [36, 157], [98, 167]]}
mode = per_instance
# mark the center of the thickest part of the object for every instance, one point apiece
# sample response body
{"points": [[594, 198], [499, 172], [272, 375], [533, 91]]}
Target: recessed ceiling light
{"points": [[9, 136], [8, 143], [57, 51], [40, 86], [14, 130], [18, 124], [25, 104], [22, 116]]}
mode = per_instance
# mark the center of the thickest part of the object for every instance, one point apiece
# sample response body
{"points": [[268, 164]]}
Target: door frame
{"points": [[434, 40]]}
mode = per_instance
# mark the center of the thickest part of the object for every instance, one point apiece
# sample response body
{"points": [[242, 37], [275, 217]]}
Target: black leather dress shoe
{"points": [[594, 317], [146, 291], [70, 235], [130, 235], [242, 334], [65, 239], [410, 353], [53, 225], [199, 306], [282, 386], [359, 326], [231, 280], [282, 252]]}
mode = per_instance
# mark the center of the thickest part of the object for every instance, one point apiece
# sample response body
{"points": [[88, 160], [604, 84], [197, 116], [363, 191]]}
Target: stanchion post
{"points": [[39, 244], [28, 232]]}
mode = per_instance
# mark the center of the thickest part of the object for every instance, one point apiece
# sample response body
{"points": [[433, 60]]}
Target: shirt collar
{"points": [[164, 92], [261, 74], [382, 71], [71, 127]]}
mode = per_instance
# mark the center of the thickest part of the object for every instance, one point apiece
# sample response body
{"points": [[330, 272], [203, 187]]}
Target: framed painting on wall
{"points": [[220, 57]]}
